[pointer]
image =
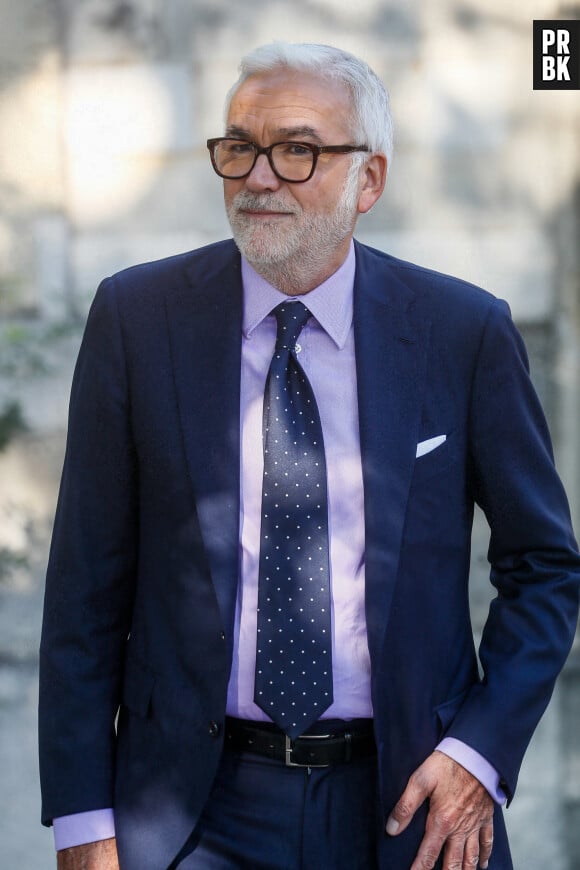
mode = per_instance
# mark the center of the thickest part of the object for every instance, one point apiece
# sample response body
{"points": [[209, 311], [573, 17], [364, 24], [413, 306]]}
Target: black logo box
{"points": [[572, 29]]}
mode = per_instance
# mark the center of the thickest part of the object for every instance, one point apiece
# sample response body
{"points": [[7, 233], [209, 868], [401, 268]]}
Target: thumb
{"points": [[416, 792]]}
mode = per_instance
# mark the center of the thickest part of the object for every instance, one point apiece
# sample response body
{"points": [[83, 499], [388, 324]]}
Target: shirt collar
{"points": [[331, 302]]}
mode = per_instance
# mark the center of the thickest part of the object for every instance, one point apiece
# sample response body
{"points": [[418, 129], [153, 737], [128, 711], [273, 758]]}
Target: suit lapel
{"points": [[391, 351], [205, 325]]}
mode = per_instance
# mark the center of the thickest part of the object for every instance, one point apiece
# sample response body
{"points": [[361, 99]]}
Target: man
{"points": [[197, 581]]}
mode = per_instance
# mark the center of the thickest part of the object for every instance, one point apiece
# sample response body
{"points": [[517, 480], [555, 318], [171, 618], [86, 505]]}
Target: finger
{"points": [[431, 847], [460, 854], [485, 844], [418, 789], [471, 855]]}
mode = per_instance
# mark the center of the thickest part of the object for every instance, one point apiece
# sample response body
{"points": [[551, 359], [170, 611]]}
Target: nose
{"points": [[262, 176]]}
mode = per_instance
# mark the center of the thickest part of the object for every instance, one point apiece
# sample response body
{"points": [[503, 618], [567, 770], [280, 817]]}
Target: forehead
{"points": [[285, 100]]}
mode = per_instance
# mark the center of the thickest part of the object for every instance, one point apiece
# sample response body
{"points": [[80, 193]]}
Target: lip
{"points": [[263, 213]]}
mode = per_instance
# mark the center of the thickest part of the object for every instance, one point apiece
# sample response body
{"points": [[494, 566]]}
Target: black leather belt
{"points": [[337, 744]]}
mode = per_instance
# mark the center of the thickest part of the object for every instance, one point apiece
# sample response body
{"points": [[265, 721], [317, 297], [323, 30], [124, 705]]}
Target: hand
{"points": [[460, 818], [101, 855]]}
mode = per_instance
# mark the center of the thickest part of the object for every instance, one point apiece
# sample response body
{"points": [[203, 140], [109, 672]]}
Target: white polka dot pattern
{"points": [[294, 652]]}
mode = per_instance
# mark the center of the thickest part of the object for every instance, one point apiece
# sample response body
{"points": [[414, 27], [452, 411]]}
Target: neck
{"points": [[295, 276]]}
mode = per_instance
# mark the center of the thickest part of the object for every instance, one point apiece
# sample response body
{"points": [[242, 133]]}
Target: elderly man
{"points": [[261, 550]]}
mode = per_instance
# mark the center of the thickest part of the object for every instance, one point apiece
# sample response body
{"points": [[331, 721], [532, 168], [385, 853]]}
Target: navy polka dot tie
{"points": [[294, 648]]}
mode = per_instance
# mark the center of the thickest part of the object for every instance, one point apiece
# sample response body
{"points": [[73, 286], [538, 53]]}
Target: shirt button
{"points": [[214, 729], [298, 348]]}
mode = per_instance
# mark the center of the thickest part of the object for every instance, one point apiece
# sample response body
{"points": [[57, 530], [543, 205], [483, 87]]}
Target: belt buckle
{"points": [[289, 747]]}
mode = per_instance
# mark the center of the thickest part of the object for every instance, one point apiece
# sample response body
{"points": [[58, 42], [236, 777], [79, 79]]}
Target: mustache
{"points": [[267, 202]]}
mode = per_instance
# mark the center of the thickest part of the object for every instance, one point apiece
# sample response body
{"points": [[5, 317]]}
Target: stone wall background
{"points": [[105, 106]]}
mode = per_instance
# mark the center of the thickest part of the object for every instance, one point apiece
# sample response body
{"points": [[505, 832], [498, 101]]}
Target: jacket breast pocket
{"points": [[436, 462]]}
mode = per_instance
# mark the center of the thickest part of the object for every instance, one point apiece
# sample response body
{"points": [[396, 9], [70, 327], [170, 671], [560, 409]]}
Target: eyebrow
{"points": [[303, 131]]}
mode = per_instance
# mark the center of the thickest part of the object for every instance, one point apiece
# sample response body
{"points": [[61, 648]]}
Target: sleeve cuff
{"points": [[476, 764], [81, 828]]}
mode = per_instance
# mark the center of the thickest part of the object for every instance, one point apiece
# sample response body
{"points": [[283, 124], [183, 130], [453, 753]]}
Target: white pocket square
{"points": [[430, 444]]}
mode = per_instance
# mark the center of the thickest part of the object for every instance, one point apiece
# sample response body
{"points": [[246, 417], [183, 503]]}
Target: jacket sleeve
{"points": [[90, 577], [534, 560]]}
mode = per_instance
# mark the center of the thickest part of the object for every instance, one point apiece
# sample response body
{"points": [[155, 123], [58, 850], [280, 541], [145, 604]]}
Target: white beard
{"points": [[288, 253]]}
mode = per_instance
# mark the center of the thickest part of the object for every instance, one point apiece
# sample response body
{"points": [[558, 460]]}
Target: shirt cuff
{"points": [[476, 764], [81, 828]]}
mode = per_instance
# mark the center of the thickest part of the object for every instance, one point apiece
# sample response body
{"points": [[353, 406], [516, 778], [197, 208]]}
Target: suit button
{"points": [[222, 635], [214, 729]]}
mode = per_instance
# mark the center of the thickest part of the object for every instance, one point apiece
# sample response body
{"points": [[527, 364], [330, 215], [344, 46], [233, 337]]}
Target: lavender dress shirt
{"points": [[327, 355]]}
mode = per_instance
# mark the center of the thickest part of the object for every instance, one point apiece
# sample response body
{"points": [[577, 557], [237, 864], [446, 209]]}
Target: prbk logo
{"points": [[557, 55]]}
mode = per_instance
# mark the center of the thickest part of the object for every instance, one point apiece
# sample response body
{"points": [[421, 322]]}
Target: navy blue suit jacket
{"points": [[144, 563]]}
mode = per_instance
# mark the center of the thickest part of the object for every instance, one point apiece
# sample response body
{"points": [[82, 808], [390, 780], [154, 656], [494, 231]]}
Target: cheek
{"points": [[314, 201], [323, 197], [231, 189]]}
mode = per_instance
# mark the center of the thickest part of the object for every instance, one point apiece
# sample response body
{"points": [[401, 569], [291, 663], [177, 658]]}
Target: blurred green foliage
{"points": [[10, 561], [26, 349], [12, 423]]}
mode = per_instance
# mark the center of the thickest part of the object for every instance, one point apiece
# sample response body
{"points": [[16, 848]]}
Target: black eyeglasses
{"points": [[290, 161]]}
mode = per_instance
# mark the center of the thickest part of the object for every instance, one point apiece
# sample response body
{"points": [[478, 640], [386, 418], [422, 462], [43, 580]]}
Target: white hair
{"points": [[372, 121]]}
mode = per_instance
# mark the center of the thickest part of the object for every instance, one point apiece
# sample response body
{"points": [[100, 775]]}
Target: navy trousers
{"points": [[262, 815]]}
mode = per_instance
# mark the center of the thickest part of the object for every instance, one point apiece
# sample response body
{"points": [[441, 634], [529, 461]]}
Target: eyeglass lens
{"points": [[291, 160]]}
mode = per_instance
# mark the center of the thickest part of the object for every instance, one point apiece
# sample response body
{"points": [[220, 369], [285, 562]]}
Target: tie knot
{"points": [[291, 317]]}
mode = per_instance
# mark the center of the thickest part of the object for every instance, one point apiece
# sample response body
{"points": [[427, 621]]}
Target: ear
{"points": [[375, 178]]}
